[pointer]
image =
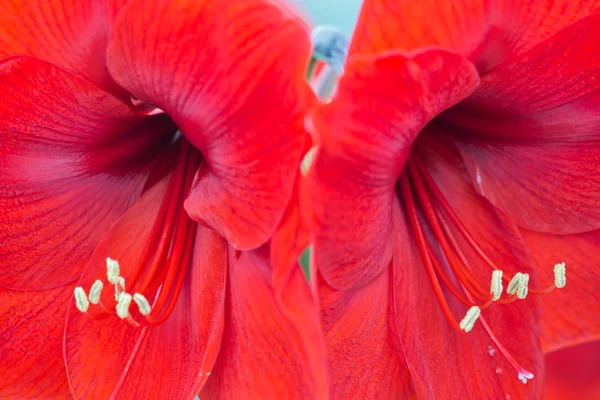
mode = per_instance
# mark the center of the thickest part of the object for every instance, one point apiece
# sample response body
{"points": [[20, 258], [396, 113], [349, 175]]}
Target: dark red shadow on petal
{"points": [[73, 159]]}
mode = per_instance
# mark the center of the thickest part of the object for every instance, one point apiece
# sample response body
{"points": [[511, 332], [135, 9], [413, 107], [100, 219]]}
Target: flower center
{"points": [[161, 268], [427, 208]]}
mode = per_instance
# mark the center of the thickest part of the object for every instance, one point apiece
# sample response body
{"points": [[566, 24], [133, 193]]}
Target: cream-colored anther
{"points": [[121, 284], [81, 300], [560, 275], [142, 303], [514, 283], [496, 285], [469, 320], [523, 286], [112, 270], [123, 305], [95, 292]]}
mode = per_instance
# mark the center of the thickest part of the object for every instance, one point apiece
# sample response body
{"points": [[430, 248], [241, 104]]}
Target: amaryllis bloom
{"points": [[134, 260], [456, 173]]}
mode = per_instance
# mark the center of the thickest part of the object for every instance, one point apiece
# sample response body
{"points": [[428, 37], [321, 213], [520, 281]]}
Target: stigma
{"points": [[160, 270], [436, 229]]}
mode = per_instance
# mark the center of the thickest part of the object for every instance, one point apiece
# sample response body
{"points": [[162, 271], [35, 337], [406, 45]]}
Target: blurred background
{"points": [[340, 13]]}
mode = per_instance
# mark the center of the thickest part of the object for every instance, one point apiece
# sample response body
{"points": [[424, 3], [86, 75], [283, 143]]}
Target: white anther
{"points": [[469, 320], [142, 303], [121, 284], [514, 283], [524, 376], [522, 287], [112, 270], [81, 300], [560, 277], [95, 292], [123, 305], [496, 286]]}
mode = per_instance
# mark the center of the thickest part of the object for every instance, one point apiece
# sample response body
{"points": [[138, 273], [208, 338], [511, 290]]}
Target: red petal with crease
{"points": [[69, 33], [72, 159], [363, 361], [272, 346], [488, 32], [366, 134], [442, 361], [573, 373], [233, 81], [570, 315], [31, 330], [545, 108], [107, 356]]}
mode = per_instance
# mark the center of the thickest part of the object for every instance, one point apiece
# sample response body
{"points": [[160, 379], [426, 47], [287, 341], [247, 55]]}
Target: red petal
{"points": [[72, 160], [573, 373], [366, 134], [363, 361], [108, 356], [272, 346], [570, 315], [288, 243], [487, 31], [446, 364], [31, 327], [69, 33], [233, 81], [546, 103]]}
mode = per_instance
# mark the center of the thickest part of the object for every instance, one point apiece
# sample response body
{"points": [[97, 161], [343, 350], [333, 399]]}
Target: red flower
{"points": [[462, 139], [86, 174]]}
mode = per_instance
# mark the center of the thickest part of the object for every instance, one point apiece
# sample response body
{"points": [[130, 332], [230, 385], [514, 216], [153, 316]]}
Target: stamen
{"points": [[560, 278], [496, 285], [120, 283], [81, 300], [469, 320], [142, 303], [522, 286], [112, 270], [123, 305], [513, 284], [95, 292]]}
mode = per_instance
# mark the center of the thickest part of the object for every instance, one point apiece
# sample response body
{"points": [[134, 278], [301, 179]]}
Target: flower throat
{"points": [[422, 196], [160, 270]]}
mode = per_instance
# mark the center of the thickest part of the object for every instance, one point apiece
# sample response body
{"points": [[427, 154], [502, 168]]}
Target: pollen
{"points": [[469, 320], [113, 270], [142, 303], [81, 300], [95, 292], [522, 287], [514, 283], [560, 278], [123, 305], [496, 285]]}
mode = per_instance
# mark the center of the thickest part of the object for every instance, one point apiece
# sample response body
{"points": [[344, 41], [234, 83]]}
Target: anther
{"points": [[560, 278], [496, 286], [142, 303], [469, 320], [514, 283], [522, 287], [121, 283], [95, 292], [112, 270], [123, 305], [81, 300]]}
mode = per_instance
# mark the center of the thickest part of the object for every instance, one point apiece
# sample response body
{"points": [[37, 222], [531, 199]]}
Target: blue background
{"points": [[340, 13]]}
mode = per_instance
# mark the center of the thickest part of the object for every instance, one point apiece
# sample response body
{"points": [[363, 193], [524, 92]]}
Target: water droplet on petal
{"points": [[491, 351], [498, 370]]}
